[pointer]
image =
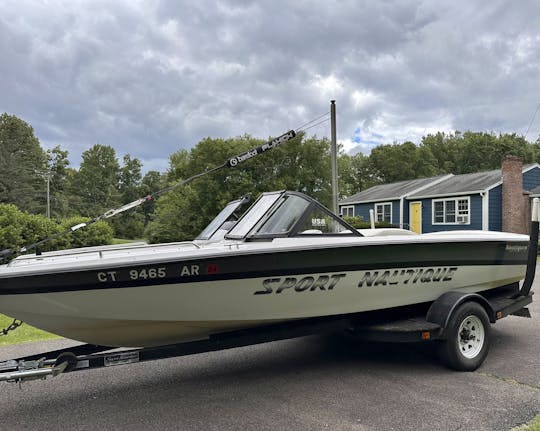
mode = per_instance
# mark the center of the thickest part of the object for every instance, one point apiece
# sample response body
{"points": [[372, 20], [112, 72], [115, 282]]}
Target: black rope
{"points": [[230, 163]]}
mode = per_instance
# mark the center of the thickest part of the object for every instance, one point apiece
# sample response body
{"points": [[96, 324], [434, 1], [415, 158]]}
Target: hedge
{"points": [[19, 228], [359, 223]]}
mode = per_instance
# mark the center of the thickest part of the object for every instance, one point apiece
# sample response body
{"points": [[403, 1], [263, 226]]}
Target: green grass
{"points": [[125, 241], [533, 425], [22, 334]]}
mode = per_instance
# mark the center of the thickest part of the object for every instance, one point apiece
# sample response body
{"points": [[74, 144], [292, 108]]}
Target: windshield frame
{"points": [[223, 217], [253, 215], [254, 222]]}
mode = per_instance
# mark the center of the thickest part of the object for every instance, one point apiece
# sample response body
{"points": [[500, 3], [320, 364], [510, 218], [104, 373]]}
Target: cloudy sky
{"points": [[151, 77]]}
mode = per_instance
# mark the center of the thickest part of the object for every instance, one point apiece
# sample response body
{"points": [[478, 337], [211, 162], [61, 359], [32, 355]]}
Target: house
{"points": [[494, 200]]}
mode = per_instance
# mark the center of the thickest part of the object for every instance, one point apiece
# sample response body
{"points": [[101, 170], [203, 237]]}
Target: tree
{"points": [[130, 224], [363, 175], [400, 162], [151, 182], [303, 164], [96, 182], [463, 153], [22, 163], [445, 150], [130, 179], [57, 171]]}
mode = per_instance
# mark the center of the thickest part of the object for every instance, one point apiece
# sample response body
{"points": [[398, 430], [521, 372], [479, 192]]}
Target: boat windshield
{"points": [[253, 215], [225, 215], [285, 214]]}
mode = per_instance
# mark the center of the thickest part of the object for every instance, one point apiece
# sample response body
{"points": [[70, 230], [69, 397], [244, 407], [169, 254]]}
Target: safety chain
{"points": [[14, 325]]}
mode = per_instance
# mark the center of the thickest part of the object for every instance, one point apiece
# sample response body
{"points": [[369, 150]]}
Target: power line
{"points": [[532, 120], [303, 126], [314, 125]]}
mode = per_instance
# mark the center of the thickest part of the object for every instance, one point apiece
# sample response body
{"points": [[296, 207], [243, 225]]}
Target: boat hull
{"points": [[155, 295], [161, 314]]}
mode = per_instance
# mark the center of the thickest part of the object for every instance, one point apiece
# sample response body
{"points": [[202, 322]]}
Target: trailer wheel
{"points": [[467, 342]]}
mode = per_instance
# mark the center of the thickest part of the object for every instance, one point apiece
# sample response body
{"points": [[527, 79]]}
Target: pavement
{"points": [[311, 383]]}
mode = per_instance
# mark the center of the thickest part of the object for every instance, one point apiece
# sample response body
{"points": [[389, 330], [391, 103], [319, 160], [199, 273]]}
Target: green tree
{"points": [[57, 170], [130, 179], [152, 182], [96, 182], [303, 164], [363, 176], [445, 150], [130, 224], [469, 152], [400, 162], [22, 164]]}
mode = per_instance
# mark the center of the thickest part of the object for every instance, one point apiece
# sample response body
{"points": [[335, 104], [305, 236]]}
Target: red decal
{"points": [[212, 268]]}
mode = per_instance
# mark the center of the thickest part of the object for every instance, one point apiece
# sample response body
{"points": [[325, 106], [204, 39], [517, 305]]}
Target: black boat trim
{"points": [[246, 266]]}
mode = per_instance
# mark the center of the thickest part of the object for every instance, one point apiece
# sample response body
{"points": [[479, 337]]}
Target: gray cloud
{"points": [[149, 79]]}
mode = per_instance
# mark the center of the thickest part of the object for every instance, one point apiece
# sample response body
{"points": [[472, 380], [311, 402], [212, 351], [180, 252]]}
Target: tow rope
{"points": [[230, 163]]}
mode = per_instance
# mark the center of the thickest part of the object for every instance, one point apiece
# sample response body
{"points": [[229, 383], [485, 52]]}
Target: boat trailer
{"points": [[405, 324]]}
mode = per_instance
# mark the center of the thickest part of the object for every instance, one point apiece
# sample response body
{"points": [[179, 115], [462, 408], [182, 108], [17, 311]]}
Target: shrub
{"points": [[19, 229], [98, 233], [359, 223]]}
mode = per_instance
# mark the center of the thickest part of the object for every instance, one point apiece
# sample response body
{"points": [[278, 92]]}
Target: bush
{"points": [[19, 229], [98, 233], [359, 223]]}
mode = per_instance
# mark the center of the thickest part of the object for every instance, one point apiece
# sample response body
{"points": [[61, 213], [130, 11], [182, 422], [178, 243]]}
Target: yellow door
{"points": [[416, 217]]}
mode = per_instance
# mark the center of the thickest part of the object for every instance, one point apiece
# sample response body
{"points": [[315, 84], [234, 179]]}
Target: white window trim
{"points": [[383, 204], [455, 199], [347, 207]]}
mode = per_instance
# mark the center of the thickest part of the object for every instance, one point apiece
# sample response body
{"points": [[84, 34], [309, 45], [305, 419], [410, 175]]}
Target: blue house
{"points": [[493, 200]]}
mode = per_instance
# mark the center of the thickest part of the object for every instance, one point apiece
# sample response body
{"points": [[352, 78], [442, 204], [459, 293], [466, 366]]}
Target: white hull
{"points": [[165, 314], [287, 258]]}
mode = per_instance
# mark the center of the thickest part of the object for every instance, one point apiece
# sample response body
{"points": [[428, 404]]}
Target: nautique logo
{"points": [[406, 276]]}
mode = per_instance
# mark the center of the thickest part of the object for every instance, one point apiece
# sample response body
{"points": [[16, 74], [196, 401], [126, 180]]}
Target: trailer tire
{"points": [[467, 338]]}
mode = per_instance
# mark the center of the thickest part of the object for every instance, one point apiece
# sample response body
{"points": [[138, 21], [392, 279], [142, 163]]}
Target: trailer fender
{"points": [[441, 310]]}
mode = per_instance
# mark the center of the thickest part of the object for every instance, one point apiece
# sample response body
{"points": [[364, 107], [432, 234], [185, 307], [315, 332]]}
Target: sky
{"points": [[149, 78]]}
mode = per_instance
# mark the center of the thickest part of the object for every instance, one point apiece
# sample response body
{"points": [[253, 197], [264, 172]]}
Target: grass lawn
{"points": [[533, 425], [22, 334], [125, 241]]}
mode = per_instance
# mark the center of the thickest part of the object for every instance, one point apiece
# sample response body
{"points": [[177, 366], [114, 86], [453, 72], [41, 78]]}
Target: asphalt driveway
{"points": [[313, 383]]}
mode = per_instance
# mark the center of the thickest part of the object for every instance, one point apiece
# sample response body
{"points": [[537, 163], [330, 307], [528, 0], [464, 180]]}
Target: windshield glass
{"points": [[284, 217], [320, 222], [221, 218], [253, 215]]}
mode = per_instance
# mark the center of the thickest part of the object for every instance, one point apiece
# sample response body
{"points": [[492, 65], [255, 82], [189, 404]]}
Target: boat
{"points": [[285, 259]]}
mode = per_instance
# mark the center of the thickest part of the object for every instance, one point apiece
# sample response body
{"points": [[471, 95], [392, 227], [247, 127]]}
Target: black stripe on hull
{"points": [[243, 266]]}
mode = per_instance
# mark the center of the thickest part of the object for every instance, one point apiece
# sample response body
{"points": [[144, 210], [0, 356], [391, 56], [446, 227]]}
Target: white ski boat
{"points": [[287, 258]]}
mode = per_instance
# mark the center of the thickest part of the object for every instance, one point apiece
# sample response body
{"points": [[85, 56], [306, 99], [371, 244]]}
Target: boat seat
{"points": [[311, 232]]}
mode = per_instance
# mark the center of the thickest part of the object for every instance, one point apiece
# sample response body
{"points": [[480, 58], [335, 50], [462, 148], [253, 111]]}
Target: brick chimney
{"points": [[513, 199]]}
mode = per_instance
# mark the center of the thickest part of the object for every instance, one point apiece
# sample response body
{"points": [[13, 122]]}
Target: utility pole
{"points": [[48, 178], [334, 156]]}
